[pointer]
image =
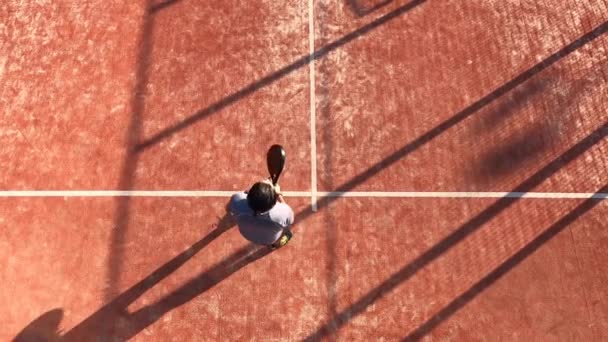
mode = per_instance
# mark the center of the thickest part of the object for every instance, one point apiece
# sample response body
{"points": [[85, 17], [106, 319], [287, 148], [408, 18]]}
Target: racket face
{"points": [[276, 161]]}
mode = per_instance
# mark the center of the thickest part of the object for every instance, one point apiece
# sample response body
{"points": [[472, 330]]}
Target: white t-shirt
{"points": [[264, 228]]}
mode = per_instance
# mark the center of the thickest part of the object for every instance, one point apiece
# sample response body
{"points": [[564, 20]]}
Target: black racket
{"points": [[275, 160]]}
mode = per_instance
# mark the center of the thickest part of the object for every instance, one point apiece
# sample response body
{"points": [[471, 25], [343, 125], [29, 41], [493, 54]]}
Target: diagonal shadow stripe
{"points": [[474, 107], [462, 300], [458, 235], [269, 79], [162, 5], [362, 10]]}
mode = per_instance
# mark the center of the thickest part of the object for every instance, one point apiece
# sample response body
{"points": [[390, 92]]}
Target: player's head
{"points": [[261, 197]]}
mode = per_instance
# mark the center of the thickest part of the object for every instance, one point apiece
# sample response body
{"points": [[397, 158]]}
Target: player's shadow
{"points": [[363, 8], [115, 322]]}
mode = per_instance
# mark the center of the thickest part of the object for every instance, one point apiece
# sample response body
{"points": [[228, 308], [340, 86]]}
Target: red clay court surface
{"points": [[425, 115]]}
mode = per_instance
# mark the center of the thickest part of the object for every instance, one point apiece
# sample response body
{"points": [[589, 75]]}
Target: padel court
{"points": [[447, 162]]}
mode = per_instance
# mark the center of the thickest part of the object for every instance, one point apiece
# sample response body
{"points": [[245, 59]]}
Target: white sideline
{"points": [[313, 110]]}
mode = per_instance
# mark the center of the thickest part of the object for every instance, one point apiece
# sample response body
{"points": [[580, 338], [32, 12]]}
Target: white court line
{"points": [[361, 194], [440, 194], [313, 109]]}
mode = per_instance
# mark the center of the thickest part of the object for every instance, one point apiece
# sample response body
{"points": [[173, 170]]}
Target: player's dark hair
{"points": [[261, 197]]}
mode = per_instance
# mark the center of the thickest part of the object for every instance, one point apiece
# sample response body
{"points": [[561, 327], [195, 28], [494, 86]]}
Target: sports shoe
{"points": [[283, 240]]}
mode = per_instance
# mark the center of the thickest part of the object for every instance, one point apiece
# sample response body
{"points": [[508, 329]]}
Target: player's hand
{"points": [[277, 189]]}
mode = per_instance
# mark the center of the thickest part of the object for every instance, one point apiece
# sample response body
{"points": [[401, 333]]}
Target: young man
{"points": [[262, 215]]}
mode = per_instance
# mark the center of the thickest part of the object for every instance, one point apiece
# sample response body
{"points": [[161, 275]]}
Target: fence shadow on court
{"points": [[471, 226], [275, 76], [479, 220], [114, 317], [362, 8], [156, 6], [470, 294]]}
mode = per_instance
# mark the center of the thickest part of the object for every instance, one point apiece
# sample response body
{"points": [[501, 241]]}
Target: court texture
{"points": [[447, 162]]}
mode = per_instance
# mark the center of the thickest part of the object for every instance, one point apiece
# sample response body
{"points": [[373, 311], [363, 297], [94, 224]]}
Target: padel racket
{"points": [[275, 160]]}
